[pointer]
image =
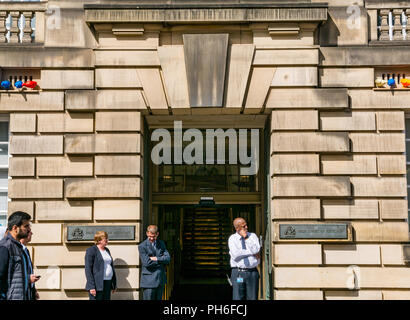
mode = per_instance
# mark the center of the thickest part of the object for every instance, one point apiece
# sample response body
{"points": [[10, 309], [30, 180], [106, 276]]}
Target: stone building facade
{"points": [[332, 142]]}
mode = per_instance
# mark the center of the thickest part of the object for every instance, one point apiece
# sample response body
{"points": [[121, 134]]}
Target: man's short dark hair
{"points": [[16, 219]]}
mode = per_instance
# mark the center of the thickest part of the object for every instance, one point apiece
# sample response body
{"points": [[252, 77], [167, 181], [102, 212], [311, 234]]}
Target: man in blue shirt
{"points": [[244, 250]]}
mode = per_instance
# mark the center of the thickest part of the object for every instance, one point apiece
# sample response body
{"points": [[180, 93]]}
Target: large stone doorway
{"points": [[197, 239]]}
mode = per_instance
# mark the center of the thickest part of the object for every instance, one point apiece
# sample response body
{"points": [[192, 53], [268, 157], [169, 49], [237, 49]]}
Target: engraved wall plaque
{"points": [[86, 233], [313, 231]]}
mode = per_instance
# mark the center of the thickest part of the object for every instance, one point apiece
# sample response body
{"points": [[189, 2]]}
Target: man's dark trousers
{"points": [[153, 293], [248, 289]]}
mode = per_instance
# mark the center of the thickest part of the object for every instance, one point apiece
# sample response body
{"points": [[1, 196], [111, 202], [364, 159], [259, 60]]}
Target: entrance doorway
{"points": [[197, 239]]}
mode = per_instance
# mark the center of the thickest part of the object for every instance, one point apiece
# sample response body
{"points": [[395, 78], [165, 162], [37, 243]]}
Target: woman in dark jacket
{"points": [[99, 269]]}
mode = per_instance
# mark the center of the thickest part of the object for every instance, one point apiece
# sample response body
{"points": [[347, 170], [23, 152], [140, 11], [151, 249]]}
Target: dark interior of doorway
{"points": [[197, 239]]}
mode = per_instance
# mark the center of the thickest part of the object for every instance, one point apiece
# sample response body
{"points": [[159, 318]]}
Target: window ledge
{"points": [[391, 89], [390, 43], [20, 91]]}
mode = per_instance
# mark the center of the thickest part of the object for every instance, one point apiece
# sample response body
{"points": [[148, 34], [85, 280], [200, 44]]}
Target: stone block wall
{"points": [[79, 166], [337, 144], [340, 162]]}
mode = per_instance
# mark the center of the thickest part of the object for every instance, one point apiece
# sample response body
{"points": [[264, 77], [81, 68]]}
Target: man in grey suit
{"points": [[154, 256]]}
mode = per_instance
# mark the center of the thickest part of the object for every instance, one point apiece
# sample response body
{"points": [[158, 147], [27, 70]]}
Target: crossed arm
{"points": [[252, 248]]}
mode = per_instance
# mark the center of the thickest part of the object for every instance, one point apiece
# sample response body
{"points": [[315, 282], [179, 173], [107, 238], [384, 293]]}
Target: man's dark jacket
{"points": [[12, 277], [94, 269], [153, 272]]}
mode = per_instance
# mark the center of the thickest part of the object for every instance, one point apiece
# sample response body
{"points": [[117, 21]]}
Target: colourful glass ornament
{"points": [[405, 82], [5, 85], [30, 84], [18, 84], [391, 82]]}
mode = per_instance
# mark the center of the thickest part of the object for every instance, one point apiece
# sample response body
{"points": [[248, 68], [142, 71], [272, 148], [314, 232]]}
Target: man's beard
{"points": [[21, 234]]}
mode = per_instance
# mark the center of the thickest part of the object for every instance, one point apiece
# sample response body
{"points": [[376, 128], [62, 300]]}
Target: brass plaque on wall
{"points": [[313, 231], [86, 232]]}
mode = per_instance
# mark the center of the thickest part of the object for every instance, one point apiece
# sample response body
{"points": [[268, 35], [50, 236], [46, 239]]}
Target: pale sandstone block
{"points": [[298, 295], [351, 254], [25, 206], [63, 295], [396, 294], [348, 121], [36, 145], [392, 164], [311, 186], [67, 79], [153, 88], [117, 209], [375, 142], [369, 99], [46, 233], [347, 24], [175, 77], [286, 57], [294, 120], [312, 277], [31, 188], [117, 78], [350, 209], [102, 143], [379, 187], [353, 295], [296, 209], [104, 100], [42, 101], [74, 278], [65, 122], [260, 83], [126, 295], [295, 76], [309, 142], [393, 209], [21, 167], [381, 231], [389, 278], [239, 70], [309, 98], [349, 164], [392, 254], [295, 163], [63, 210], [47, 58], [64, 166], [297, 254], [61, 256], [50, 279], [73, 256], [118, 121], [118, 165], [127, 58], [389, 121], [22, 122], [347, 77], [102, 188], [261, 39]]}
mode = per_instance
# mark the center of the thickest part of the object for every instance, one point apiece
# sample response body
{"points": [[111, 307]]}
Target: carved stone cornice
{"points": [[96, 14]]}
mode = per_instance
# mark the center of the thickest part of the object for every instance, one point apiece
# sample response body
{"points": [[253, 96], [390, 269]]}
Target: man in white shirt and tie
{"points": [[244, 250]]}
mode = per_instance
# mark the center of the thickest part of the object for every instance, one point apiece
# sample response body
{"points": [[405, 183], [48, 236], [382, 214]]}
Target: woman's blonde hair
{"points": [[99, 235]]}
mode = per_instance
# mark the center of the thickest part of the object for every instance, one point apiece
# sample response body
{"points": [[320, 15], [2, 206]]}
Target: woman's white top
{"points": [[107, 265]]}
